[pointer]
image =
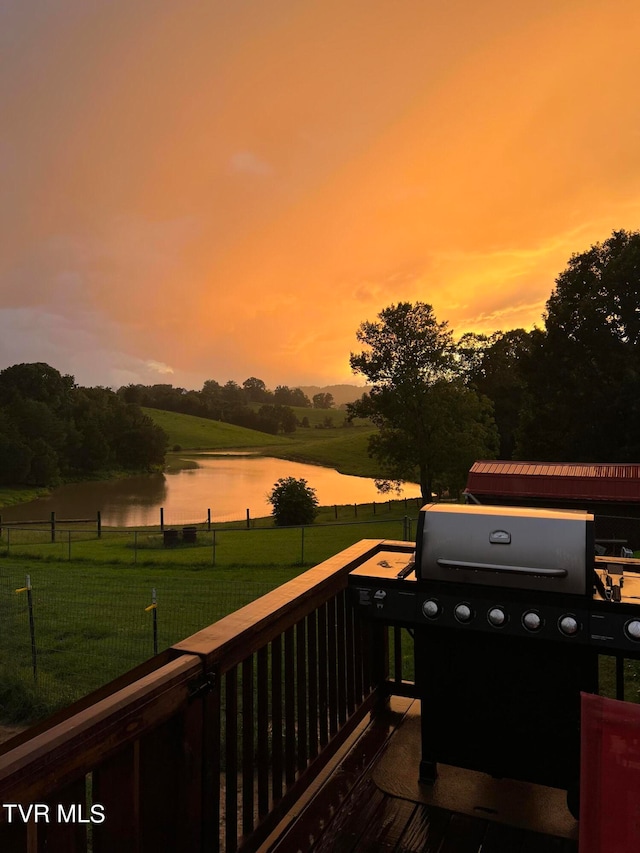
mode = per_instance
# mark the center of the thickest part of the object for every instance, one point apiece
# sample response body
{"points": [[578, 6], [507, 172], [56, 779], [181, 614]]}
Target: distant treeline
{"points": [[231, 403], [51, 429]]}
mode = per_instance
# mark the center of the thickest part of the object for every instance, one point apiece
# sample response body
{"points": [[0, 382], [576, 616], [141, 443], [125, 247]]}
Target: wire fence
{"points": [[63, 637], [197, 545], [83, 609]]}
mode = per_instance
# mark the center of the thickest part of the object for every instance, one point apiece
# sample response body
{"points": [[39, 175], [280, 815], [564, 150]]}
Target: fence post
{"points": [[53, 526], [335, 511], [32, 631], [374, 507], [154, 607], [161, 519], [355, 510], [248, 520], [209, 518], [99, 524], [32, 627]]}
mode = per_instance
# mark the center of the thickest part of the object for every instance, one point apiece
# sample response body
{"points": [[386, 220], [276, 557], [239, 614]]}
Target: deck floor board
{"points": [[351, 814]]}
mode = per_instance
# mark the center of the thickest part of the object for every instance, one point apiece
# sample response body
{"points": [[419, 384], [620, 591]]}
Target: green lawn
{"points": [[89, 594]]}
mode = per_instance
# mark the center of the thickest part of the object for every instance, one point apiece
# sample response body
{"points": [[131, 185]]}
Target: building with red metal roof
{"points": [[568, 481], [611, 491]]}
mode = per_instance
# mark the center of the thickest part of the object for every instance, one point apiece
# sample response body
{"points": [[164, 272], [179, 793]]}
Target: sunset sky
{"points": [[218, 189]]}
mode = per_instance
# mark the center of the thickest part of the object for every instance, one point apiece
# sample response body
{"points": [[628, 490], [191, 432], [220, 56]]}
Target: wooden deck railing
{"points": [[208, 746]]}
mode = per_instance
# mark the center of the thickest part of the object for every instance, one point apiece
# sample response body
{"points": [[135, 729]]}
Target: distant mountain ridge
{"points": [[341, 393]]}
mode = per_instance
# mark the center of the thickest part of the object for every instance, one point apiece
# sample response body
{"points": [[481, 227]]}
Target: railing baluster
{"points": [[247, 745], [262, 731], [212, 748], [231, 756], [358, 649], [323, 675], [312, 662], [341, 656], [116, 785], [332, 656], [301, 692], [57, 834], [349, 646], [366, 634], [289, 708], [276, 717]]}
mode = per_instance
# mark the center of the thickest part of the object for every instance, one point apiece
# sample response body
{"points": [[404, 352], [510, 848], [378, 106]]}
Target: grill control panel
{"points": [[550, 621]]}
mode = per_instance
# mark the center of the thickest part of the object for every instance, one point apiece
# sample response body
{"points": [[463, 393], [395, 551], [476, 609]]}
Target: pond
{"points": [[227, 484]]}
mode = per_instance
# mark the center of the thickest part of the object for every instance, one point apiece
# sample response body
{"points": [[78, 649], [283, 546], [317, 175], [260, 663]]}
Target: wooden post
{"points": [[162, 519], [53, 526], [32, 630], [335, 511], [248, 520], [209, 518], [355, 510], [99, 524], [374, 507], [154, 598]]}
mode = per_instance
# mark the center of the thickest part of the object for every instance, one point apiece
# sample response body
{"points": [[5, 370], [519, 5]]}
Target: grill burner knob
{"points": [[632, 629], [497, 617], [568, 625], [463, 613], [532, 621], [431, 609]]}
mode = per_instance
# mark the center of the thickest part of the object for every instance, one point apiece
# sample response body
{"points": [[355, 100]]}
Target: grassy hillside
{"points": [[193, 433], [343, 448]]}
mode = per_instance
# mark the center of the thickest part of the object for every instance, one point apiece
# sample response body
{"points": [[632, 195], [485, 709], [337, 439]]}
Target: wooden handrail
{"points": [[36, 767], [227, 642]]}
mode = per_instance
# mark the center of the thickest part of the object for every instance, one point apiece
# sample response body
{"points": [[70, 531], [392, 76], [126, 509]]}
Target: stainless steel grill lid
{"points": [[516, 547]]}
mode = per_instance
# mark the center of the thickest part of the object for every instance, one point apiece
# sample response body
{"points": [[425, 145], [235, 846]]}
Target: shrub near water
{"points": [[293, 502]]}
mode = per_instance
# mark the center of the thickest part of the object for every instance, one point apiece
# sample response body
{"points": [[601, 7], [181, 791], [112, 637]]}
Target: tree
{"points": [[293, 502], [291, 396], [493, 365], [582, 401], [256, 391], [430, 425], [323, 401]]}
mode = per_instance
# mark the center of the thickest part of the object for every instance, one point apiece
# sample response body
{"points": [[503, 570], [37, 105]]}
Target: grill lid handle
{"points": [[509, 570]]}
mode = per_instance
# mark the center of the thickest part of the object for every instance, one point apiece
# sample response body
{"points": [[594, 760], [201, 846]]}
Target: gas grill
{"points": [[509, 607]]}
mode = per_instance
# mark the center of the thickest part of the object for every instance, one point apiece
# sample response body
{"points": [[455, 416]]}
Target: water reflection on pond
{"points": [[227, 484]]}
